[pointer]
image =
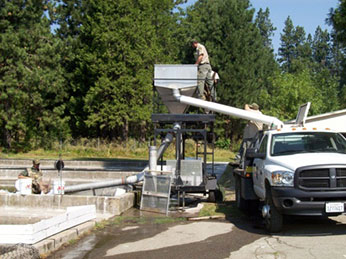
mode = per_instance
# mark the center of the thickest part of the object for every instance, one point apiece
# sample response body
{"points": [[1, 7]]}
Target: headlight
{"points": [[282, 178]]}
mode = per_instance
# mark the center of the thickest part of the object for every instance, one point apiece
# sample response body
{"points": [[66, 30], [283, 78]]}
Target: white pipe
{"points": [[152, 158], [98, 185], [228, 110], [129, 180]]}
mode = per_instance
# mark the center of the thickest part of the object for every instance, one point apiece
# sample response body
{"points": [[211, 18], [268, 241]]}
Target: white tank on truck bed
{"points": [[335, 120]]}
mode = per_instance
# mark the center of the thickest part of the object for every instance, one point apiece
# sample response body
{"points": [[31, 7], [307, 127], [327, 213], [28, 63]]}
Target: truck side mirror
{"points": [[253, 153]]}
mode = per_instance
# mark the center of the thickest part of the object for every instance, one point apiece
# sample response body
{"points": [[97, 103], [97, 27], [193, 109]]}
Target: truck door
{"points": [[258, 175]]}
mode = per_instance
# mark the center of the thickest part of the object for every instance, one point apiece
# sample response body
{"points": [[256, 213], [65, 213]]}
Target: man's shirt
{"points": [[201, 50]]}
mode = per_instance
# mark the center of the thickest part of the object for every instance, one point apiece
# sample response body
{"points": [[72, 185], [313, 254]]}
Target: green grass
{"points": [[225, 209], [72, 241], [209, 209], [167, 220], [123, 220], [93, 149], [101, 225]]}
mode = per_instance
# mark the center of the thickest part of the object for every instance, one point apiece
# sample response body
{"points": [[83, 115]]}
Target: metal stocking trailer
{"points": [[290, 169], [191, 173]]}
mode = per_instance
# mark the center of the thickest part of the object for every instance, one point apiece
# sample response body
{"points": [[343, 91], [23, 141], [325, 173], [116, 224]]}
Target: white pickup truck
{"points": [[293, 171]]}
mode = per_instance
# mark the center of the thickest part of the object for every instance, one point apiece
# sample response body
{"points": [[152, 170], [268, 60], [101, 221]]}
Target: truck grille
{"points": [[326, 178]]}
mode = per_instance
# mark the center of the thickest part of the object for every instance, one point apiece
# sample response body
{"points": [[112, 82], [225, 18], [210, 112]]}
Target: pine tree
{"points": [[323, 69], [321, 47], [32, 90], [265, 26], [310, 55], [295, 50], [67, 19], [287, 48], [338, 21], [119, 42]]}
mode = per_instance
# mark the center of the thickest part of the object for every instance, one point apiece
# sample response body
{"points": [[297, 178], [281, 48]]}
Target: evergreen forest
{"points": [[72, 69]]}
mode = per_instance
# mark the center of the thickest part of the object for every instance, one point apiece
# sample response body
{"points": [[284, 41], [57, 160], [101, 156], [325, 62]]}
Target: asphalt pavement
{"points": [[240, 236]]}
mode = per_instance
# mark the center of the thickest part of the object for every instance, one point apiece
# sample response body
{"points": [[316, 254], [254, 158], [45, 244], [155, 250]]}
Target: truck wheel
{"points": [[211, 197], [241, 203], [219, 196], [215, 196], [273, 218]]}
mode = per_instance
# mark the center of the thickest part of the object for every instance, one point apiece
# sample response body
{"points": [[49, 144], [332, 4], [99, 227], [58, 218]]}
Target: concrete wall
{"points": [[113, 205], [90, 164], [75, 171], [32, 233]]}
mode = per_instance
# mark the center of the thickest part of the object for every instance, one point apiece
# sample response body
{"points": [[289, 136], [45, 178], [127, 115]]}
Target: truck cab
{"points": [[294, 171]]}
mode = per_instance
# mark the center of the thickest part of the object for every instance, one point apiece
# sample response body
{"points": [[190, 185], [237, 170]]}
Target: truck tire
{"points": [[211, 197], [241, 203], [215, 196], [274, 219]]}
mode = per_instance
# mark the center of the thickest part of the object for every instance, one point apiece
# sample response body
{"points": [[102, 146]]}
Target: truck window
{"points": [[307, 142], [263, 146]]}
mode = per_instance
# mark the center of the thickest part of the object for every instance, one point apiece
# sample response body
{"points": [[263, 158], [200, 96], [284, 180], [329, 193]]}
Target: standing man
{"points": [[215, 80], [250, 131], [204, 68], [252, 127]]}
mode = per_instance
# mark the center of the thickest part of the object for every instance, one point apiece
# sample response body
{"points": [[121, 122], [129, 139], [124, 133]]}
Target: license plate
{"points": [[334, 207]]}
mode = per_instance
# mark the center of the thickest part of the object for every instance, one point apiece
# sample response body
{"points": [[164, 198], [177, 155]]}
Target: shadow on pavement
{"points": [[293, 225]]}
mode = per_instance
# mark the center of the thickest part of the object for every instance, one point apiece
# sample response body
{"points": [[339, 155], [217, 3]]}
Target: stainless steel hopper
{"points": [[170, 77]]}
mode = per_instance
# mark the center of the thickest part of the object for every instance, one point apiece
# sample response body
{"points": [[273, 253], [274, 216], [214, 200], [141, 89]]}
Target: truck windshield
{"points": [[307, 142]]}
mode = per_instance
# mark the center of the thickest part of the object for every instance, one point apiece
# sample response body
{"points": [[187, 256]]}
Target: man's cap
{"points": [[193, 40], [36, 161], [254, 106]]}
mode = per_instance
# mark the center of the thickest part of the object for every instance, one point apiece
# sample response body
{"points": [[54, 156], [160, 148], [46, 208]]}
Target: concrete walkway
{"points": [[42, 206], [53, 243], [26, 209]]}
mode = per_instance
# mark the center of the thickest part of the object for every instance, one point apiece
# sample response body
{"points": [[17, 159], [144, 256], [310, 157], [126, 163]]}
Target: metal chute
{"points": [[176, 85]]}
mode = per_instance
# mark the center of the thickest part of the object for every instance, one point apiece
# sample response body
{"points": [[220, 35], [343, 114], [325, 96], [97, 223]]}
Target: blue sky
{"points": [[306, 13]]}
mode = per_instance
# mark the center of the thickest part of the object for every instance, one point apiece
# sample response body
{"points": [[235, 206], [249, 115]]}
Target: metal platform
{"points": [[187, 118], [189, 174]]}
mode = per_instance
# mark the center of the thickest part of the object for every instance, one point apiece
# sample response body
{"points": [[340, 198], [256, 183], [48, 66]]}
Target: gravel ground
{"points": [[22, 251]]}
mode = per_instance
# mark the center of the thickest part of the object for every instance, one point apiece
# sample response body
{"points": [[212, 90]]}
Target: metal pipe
{"points": [[152, 158], [228, 110], [123, 181], [166, 142]]}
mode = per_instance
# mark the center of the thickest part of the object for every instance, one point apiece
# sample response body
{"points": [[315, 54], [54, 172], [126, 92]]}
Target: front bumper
{"points": [[291, 201]]}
